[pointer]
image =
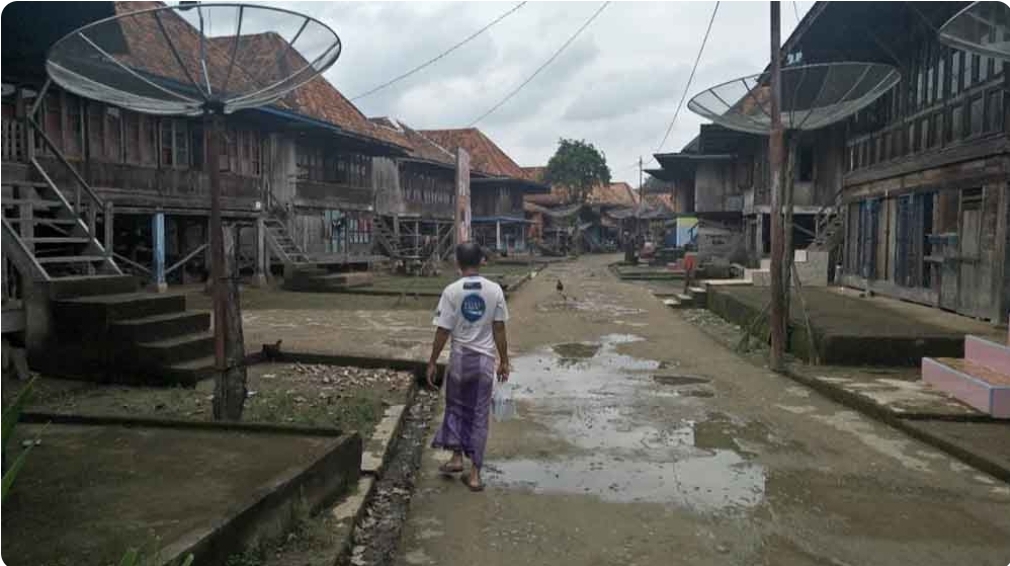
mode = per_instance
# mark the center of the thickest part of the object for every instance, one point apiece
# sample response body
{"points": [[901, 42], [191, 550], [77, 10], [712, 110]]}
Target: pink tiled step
{"points": [[979, 386], [989, 354]]}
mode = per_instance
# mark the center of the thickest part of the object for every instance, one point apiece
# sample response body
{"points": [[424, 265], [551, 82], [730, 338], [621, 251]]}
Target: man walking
{"points": [[473, 312]]}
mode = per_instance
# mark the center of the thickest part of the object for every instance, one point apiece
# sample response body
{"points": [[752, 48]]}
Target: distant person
{"points": [[473, 312]]}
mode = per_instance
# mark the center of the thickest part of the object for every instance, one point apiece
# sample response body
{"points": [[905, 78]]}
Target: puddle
{"points": [[577, 350], [720, 482], [679, 379], [631, 441]]}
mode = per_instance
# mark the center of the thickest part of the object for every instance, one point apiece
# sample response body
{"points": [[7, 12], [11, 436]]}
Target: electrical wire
{"points": [[690, 78], [796, 11], [542, 67], [438, 57]]}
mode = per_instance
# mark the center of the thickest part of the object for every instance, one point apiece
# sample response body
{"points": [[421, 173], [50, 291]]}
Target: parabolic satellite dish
{"points": [[983, 27], [813, 96], [185, 59]]}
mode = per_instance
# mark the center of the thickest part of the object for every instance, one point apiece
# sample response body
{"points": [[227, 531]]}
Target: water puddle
{"points": [[719, 482], [632, 438], [679, 379]]}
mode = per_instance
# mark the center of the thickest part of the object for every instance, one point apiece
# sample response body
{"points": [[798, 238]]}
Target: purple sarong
{"points": [[468, 388]]}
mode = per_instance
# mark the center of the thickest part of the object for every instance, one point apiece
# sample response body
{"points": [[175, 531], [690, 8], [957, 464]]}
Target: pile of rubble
{"points": [[342, 377]]}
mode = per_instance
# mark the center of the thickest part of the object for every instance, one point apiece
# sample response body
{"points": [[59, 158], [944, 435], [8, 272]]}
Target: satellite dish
{"points": [[982, 27], [190, 58], [813, 96]]}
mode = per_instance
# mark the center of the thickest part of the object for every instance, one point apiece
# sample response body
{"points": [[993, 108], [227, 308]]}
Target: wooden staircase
{"points": [[47, 237], [282, 244], [386, 241], [830, 227]]}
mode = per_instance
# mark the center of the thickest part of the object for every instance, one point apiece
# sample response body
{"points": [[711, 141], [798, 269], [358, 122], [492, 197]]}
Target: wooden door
{"points": [[971, 299]]}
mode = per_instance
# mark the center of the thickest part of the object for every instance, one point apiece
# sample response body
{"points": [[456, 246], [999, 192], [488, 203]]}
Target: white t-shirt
{"points": [[468, 308]]}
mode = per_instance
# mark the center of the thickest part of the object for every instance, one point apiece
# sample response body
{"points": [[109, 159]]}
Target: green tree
{"points": [[578, 167]]}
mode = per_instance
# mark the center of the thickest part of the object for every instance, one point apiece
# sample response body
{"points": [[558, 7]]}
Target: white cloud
{"points": [[616, 86]]}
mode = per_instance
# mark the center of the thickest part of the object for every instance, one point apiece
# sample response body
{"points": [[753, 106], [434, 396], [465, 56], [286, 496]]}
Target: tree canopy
{"points": [[578, 166]]}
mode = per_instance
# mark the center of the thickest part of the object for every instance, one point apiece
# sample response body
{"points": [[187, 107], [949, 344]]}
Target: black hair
{"points": [[469, 255]]}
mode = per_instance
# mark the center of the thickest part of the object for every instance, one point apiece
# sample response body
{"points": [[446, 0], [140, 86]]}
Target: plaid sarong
{"points": [[468, 388]]}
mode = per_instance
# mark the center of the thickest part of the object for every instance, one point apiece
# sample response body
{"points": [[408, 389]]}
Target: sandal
{"points": [[447, 469], [474, 488]]}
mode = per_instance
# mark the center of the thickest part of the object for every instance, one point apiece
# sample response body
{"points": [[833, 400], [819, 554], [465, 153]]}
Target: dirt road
{"points": [[639, 440]]}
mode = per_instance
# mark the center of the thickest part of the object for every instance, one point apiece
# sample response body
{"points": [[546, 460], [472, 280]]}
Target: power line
{"points": [[542, 67], [690, 78], [796, 11], [440, 55]]}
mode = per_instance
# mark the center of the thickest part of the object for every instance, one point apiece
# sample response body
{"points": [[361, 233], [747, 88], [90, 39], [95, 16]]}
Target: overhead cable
{"points": [[690, 79], [435, 59], [542, 67]]}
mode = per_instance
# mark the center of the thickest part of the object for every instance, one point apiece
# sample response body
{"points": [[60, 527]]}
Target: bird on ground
{"points": [[561, 290]]}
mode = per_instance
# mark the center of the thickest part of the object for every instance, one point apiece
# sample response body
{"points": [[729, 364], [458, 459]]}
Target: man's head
{"points": [[469, 256]]}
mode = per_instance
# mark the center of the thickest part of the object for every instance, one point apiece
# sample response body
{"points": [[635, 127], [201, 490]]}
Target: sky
{"points": [[616, 86]]}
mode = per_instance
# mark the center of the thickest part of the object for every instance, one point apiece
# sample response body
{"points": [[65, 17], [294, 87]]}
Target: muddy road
{"points": [[636, 439]]}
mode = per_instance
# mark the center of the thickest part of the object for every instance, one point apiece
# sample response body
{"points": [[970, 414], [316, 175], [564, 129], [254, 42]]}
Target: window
{"points": [[975, 60], [74, 138], [994, 111], [53, 121], [805, 164], [984, 68], [956, 129], [96, 131], [196, 145], [131, 123], [113, 134], [976, 113], [936, 129], [910, 138], [174, 144], [956, 72]]}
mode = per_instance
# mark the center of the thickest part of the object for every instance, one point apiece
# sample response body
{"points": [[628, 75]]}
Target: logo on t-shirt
{"points": [[473, 307]]}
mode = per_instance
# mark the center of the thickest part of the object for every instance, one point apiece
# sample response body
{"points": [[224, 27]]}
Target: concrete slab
{"points": [[376, 449], [850, 330], [89, 492]]}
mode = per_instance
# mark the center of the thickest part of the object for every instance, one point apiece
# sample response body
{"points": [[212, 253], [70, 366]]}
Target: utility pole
{"points": [[775, 151]]}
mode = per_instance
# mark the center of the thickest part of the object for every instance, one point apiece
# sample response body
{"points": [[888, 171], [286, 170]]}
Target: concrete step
{"points": [[988, 354], [973, 384], [189, 372], [102, 308], [685, 299], [176, 349], [161, 326], [90, 285], [672, 303]]}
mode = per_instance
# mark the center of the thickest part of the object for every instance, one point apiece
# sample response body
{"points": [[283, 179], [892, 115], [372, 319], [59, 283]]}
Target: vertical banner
{"points": [[462, 196]]}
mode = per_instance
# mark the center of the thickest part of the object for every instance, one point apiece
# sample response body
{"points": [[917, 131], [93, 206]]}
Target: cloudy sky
{"points": [[617, 85]]}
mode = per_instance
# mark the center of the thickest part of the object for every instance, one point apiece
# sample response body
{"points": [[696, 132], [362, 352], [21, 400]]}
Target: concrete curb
{"points": [[266, 513], [870, 409], [354, 506]]}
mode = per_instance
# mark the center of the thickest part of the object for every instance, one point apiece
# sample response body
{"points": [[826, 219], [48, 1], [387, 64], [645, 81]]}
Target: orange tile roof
{"points": [[485, 156], [420, 146]]}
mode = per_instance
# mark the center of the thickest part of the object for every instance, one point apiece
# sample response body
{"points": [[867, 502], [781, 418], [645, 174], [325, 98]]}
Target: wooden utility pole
{"points": [[229, 349], [775, 151]]}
